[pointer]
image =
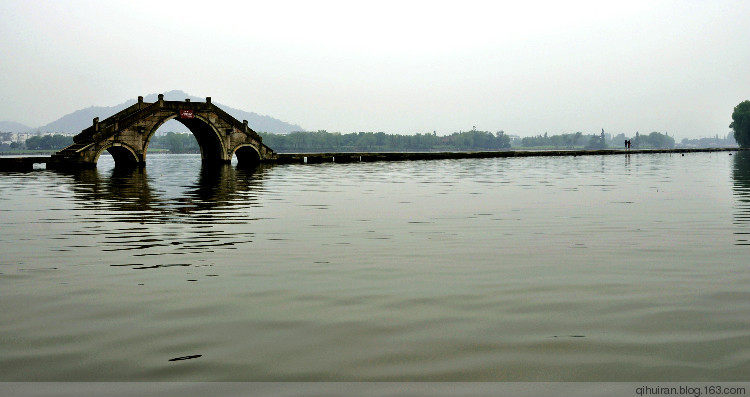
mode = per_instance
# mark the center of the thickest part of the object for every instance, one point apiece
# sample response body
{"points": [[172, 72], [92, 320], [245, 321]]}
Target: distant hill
{"points": [[12, 126], [80, 119]]}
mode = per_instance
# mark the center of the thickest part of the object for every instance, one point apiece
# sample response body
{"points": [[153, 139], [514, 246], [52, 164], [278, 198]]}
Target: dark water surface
{"points": [[607, 268]]}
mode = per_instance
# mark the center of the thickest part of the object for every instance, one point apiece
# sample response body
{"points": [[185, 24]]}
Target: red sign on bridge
{"points": [[187, 114]]}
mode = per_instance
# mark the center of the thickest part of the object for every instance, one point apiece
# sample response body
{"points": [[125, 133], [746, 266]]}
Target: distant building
{"points": [[21, 137], [6, 138]]}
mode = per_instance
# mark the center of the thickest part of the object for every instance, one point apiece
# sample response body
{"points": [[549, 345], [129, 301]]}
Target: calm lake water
{"points": [[607, 268]]}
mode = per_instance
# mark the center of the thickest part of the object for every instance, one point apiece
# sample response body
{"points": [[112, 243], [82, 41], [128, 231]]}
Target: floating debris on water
{"points": [[158, 266], [186, 357]]}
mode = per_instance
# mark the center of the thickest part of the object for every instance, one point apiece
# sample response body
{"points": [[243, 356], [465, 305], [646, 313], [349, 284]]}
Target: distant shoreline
{"points": [[517, 152], [287, 158], [21, 163]]}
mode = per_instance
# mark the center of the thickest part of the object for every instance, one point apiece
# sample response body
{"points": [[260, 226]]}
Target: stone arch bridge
{"points": [[126, 135]]}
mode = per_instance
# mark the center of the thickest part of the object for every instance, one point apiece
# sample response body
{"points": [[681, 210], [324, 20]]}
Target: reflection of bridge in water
{"points": [[741, 177], [193, 215], [131, 191]]}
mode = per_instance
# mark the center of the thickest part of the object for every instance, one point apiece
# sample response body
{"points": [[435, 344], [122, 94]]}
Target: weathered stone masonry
{"points": [[126, 135]]}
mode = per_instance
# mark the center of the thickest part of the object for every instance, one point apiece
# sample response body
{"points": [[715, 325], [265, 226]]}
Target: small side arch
{"points": [[247, 155], [124, 155]]}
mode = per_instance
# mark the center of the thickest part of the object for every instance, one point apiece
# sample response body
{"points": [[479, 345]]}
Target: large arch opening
{"points": [[179, 136], [247, 156], [208, 140]]}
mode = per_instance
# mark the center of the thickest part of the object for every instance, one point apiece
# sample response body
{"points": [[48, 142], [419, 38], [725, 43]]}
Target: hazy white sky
{"points": [[525, 67]]}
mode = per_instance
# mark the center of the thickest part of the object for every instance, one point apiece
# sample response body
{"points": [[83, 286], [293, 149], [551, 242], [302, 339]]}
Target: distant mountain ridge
{"points": [[74, 122], [12, 126]]}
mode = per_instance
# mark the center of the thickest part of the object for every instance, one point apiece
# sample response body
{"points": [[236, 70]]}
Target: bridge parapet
{"points": [[119, 120]]}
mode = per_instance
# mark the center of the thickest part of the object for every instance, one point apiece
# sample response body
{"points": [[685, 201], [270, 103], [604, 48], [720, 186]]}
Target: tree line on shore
{"points": [[323, 141], [654, 140], [48, 142], [175, 142]]}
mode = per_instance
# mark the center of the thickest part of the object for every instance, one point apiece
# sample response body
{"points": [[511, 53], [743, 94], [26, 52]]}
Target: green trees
{"points": [[569, 141], [741, 124], [323, 141], [48, 142], [661, 141], [597, 142], [654, 140], [175, 143]]}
